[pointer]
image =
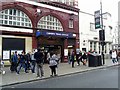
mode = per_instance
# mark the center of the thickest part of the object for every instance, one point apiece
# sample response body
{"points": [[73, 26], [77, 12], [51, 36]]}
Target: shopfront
{"points": [[55, 41]]}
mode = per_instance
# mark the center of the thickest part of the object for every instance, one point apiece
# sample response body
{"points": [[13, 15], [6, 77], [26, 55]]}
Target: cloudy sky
{"points": [[110, 6]]}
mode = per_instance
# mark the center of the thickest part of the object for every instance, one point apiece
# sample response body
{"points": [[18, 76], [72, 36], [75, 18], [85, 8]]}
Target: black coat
{"points": [[39, 56]]}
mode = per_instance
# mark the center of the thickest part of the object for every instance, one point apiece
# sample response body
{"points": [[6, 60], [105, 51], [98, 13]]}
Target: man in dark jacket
{"points": [[39, 56]]}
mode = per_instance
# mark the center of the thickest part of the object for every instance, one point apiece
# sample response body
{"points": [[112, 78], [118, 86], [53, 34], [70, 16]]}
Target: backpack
{"points": [[52, 62]]}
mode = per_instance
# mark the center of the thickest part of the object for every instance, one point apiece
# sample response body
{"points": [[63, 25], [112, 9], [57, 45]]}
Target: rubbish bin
{"points": [[94, 60]]}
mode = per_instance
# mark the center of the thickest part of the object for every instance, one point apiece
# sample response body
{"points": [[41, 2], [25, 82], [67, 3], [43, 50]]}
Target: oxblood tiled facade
{"points": [[30, 11]]}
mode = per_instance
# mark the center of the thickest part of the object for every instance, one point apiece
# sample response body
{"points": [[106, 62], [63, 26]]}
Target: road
{"points": [[101, 78]]}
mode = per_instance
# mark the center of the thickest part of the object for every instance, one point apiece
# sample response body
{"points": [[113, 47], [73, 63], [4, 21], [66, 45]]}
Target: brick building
{"points": [[27, 25]]}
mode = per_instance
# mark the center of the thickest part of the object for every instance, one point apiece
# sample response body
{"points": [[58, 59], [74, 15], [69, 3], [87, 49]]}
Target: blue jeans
{"points": [[33, 63], [114, 60], [21, 65]]}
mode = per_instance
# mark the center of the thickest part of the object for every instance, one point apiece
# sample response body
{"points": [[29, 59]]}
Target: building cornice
{"points": [[51, 6], [61, 5]]}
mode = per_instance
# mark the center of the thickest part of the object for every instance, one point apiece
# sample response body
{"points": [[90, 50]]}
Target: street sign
{"points": [[97, 19]]}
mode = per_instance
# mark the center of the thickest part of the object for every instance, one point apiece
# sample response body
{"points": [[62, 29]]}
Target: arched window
{"points": [[51, 23], [14, 17]]}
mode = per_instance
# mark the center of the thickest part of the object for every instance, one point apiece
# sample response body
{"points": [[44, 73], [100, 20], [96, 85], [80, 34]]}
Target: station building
{"points": [[26, 25]]}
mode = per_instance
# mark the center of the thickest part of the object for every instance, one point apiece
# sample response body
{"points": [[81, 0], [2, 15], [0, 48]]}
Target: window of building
{"points": [[68, 2], [70, 23], [94, 46], [14, 17], [71, 2], [90, 45], [99, 47], [50, 22]]}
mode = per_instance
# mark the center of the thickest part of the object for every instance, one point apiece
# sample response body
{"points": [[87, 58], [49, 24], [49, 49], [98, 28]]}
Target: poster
{"points": [[65, 52], [6, 54]]}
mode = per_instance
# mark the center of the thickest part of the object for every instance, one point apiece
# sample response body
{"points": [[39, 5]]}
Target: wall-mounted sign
{"points": [[6, 54], [58, 34], [65, 52]]}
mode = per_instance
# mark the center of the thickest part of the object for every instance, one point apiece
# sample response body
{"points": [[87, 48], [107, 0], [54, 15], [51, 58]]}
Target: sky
{"points": [[110, 6]]}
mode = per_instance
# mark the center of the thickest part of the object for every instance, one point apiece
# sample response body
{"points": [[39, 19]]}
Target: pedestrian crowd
{"points": [[78, 57], [34, 61]]}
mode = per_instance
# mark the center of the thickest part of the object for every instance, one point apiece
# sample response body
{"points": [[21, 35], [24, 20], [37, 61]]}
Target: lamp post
{"points": [[99, 25], [103, 35]]}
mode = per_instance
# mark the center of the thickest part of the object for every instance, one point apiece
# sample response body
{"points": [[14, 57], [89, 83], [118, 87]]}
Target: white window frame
{"points": [[15, 19], [50, 22]]}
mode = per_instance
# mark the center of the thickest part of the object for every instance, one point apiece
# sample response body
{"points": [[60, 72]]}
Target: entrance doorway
{"points": [[52, 48]]}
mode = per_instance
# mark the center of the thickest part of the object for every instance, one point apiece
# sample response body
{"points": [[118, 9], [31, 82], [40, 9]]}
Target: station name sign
{"points": [[58, 34]]}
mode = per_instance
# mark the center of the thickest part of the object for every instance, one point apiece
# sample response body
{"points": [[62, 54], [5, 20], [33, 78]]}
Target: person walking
{"points": [[114, 56], [77, 58], [84, 57], [1, 66], [22, 63], [39, 56], [73, 59], [11, 63], [80, 57], [28, 59], [14, 62], [33, 62], [53, 64]]}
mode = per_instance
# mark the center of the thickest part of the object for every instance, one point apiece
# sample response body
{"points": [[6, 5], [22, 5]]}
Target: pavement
{"points": [[63, 69]]}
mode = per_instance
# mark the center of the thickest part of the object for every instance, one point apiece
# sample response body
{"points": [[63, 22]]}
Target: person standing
{"points": [[53, 64], [118, 54], [69, 58], [48, 56], [39, 56], [110, 54], [114, 56]]}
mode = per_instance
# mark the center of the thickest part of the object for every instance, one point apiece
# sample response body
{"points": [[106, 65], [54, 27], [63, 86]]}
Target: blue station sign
{"points": [[57, 34]]}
